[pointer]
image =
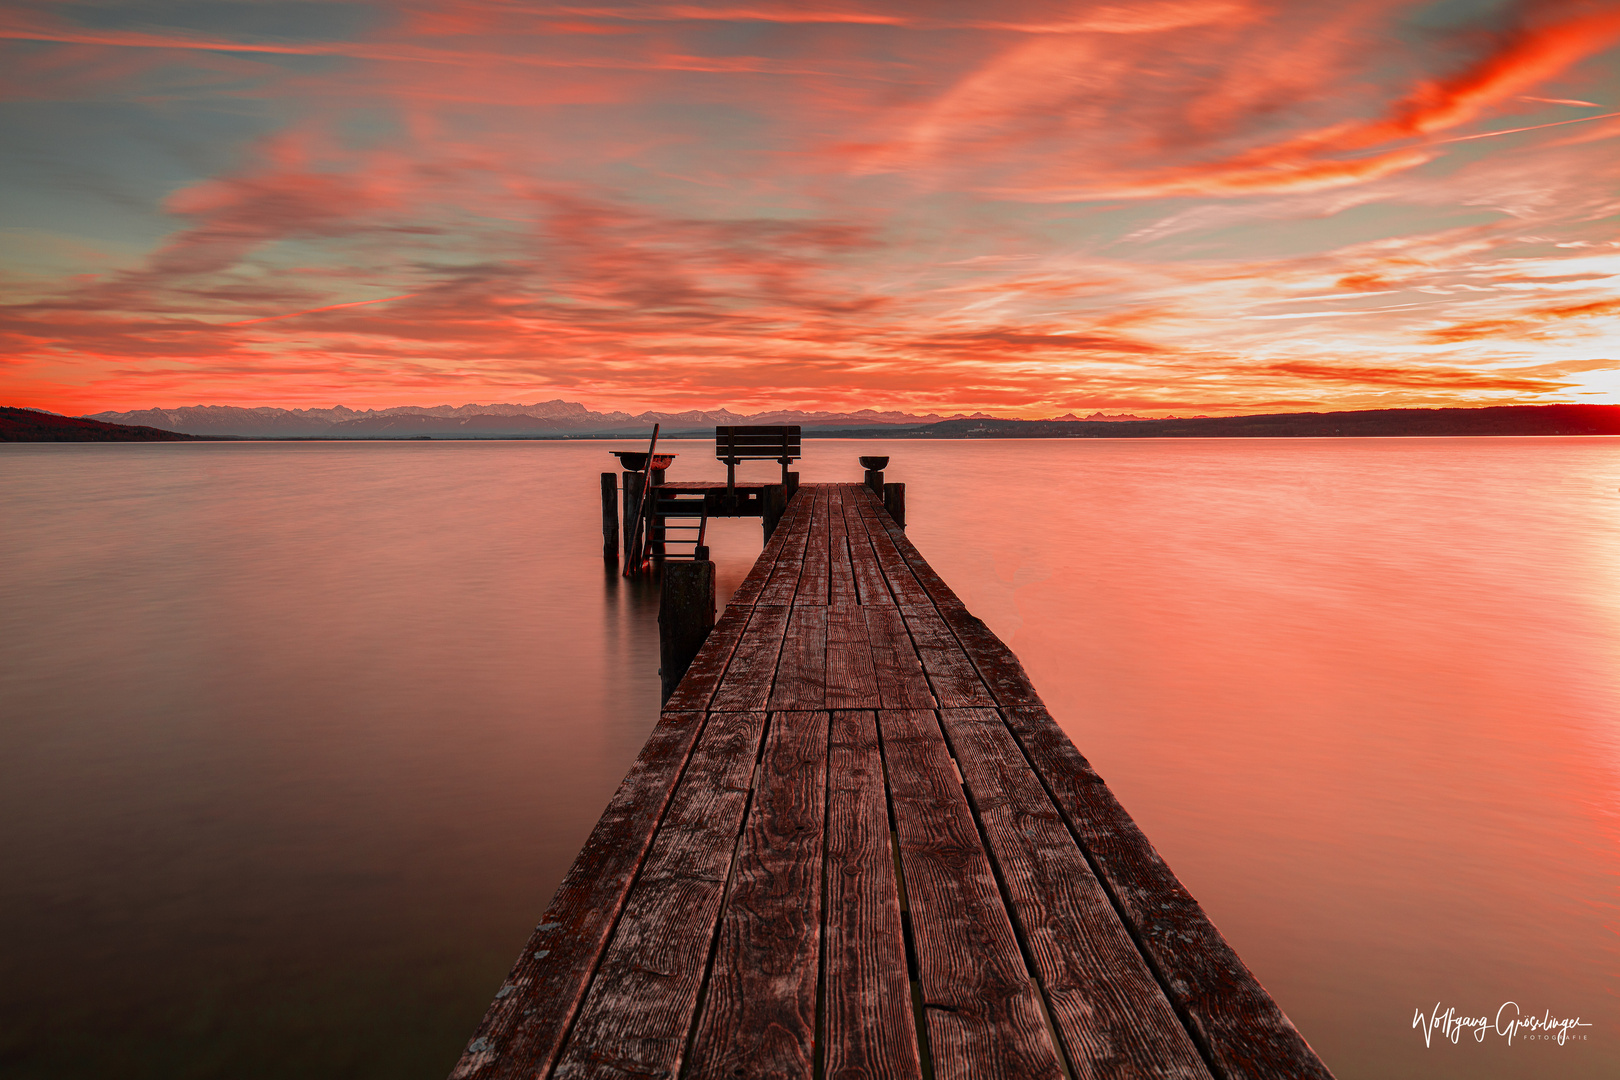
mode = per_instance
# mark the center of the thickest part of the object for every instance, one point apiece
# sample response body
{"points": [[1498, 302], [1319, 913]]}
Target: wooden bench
{"points": [[770, 442]]}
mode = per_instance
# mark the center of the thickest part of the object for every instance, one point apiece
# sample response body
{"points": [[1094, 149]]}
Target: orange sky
{"points": [[1172, 206]]}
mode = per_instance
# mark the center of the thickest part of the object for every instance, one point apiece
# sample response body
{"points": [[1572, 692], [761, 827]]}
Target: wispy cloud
{"points": [[1210, 205]]}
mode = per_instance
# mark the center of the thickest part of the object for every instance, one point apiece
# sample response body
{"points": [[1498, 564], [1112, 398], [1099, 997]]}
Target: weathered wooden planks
{"points": [[523, 1030], [801, 669], [759, 1011], [984, 1011], [851, 674], [1109, 1011], [638, 1012], [870, 1029], [814, 579], [902, 683], [1240, 1028], [740, 911], [747, 681], [840, 565], [870, 585], [783, 585]]}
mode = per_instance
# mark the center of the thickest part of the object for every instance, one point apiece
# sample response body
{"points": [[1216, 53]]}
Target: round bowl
{"points": [[636, 460], [874, 463]]}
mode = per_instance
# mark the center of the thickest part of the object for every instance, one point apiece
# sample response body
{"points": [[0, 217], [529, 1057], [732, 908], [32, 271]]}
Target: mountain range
{"points": [[564, 419], [540, 420]]}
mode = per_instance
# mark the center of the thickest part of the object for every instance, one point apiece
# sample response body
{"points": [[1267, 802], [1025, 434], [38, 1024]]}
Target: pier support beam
{"points": [[685, 617], [774, 502], [610, 517], [633, 482], [894, 501]]}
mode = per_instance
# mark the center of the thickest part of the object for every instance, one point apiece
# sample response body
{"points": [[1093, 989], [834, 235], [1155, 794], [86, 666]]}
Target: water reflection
{"points": [[298, 738]]}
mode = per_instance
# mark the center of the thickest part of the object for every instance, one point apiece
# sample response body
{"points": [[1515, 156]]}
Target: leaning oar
{"points": [[639, 531]]}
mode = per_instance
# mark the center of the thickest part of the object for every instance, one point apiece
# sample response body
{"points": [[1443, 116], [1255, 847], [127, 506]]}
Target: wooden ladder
{"points": [[683, 507]]}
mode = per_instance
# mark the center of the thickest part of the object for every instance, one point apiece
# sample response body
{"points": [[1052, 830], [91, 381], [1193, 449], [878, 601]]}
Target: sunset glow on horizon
{"points": [[1028, 208]]}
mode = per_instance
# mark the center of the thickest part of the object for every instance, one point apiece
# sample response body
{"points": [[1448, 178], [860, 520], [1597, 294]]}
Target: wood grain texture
{"points": [[709, 666], [871, 588], [955, 680], [759, 1010], [814, 579], [870, 1031], [943, 596], [851, 677], [1239, 1027], [902, 683], [522, 1032], [801, 670], [794, 528], [746, 685], [1110, 1012], [841, 590], [996, 664], [638, 1013], [907, 590], [983, 1009], [759, 574]]}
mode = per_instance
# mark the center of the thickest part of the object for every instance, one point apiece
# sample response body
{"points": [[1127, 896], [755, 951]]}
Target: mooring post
{"points": [[792, 486], [610, 517], [874, 466], [894, 501], [773, 504], [685, 617], [633, 482]]}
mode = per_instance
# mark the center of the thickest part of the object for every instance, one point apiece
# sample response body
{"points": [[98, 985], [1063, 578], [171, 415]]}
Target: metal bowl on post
{"points": [[874, 474], [636, 460]]}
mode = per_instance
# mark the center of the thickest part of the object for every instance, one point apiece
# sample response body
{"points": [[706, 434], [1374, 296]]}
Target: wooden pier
{"points": [[857, 846]]}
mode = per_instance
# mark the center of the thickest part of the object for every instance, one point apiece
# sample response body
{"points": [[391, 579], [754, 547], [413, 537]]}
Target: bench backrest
{"points": [[773, 442]]}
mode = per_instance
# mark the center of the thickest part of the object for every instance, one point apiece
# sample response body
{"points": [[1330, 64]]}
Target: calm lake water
{"points": [[296, 739]]}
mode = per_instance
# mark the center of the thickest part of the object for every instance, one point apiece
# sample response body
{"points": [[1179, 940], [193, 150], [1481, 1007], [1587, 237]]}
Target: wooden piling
{"points": [[894, 501], [610, 517], [774, 502], [633, 483], [874, 481], [685, 617]]}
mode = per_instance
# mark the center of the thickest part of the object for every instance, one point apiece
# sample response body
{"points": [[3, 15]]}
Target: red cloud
{"points": [[1530, 323]]}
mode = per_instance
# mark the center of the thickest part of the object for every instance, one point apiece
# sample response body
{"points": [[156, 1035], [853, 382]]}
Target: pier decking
{"points": [[856, 845]]}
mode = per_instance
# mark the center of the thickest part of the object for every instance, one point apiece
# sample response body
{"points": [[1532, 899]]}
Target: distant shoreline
{"points": [[26, 425]]}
